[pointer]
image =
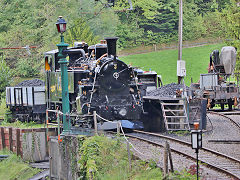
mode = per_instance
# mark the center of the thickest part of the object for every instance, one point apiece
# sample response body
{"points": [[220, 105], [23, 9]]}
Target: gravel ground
{"points": [[180, 163], [223, 129]]}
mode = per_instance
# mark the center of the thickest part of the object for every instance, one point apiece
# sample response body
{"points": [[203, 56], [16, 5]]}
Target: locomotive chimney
{"points": [[112, 46]]}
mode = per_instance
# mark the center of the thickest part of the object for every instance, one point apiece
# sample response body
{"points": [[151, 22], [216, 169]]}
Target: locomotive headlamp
{"points": [[61, 25], [123, 112]]}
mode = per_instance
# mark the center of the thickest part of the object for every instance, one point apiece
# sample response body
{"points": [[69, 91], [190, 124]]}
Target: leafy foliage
{"points": [[5, 76], [231, 22], [107, 159], [99, 155], [27, 68], [32, 22], [81, 32], [157, 22]]}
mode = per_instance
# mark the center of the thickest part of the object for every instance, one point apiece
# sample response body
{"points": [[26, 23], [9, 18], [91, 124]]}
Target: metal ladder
{"points": [[175, 115]]}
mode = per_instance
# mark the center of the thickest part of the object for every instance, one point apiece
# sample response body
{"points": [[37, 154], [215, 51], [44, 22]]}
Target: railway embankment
{"points": [[31, 144], [221, 137]]}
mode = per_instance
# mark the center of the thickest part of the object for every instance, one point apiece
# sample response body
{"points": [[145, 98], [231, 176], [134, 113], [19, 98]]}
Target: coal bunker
{"points": [[29, 83], [168, 90]]}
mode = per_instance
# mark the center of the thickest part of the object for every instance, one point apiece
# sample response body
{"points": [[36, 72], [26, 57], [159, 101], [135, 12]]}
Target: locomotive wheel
{"points": [[212, 104]]}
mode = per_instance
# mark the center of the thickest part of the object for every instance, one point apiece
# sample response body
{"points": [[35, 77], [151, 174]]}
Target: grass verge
{"points": [[14, 168], [107, 159], [165, 62]]}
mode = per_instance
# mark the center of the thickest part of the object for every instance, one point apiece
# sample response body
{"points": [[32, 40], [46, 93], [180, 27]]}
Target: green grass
{"points": [[3, 107], [14, 168], [22, 125], [108, 160], [165, 62]]}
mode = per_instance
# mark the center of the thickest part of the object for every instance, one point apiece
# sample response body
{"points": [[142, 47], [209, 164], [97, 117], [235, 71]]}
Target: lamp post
{"points": [[196, 139], [61, 27]]}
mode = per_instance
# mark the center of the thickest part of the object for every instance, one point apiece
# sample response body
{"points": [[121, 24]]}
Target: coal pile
{"points": [[29, 83], [168, 90]]}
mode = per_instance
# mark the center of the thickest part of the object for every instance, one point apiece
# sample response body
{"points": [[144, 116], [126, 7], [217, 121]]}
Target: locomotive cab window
{"points": [[48, 63]]}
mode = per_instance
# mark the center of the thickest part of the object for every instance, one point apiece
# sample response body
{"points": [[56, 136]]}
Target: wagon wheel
{"points": [[222, 107], [230, 104]]}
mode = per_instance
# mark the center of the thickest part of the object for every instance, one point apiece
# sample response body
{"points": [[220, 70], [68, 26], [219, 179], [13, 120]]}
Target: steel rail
{"points": [[211, 165], [231, 120], [189, 144]]}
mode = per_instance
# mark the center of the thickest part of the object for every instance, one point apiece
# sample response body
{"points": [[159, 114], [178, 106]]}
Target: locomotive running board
{"points": [[175, 115]]}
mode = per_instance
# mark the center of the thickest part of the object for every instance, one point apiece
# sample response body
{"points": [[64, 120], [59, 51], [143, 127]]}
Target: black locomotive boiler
{"points": [[113, 92]]}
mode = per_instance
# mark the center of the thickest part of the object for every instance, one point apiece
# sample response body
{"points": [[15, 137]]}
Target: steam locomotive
{"points": [[98, 81]]}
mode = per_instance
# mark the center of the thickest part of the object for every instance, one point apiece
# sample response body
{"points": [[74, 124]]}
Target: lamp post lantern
{"points": [[61, 27], [196, 139]]}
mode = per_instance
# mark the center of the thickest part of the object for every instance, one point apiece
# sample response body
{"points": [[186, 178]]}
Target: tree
{"points": [[5, 76], [206, 6], [231, 22], [80, 32], [101, 19]]}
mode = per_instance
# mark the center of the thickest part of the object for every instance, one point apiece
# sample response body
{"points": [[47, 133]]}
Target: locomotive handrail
{"points": [[56, 111], [106, 119]]}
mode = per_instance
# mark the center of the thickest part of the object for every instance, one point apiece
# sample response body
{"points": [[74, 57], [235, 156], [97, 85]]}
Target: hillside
{"points": [[165, 62]]}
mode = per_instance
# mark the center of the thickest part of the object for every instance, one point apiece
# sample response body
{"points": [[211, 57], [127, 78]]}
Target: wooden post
{"points": [[155, 47], [170, 157], [118, 128], [95, 122], [10, 139], [3, 138], [18, 143], [129, 156], [165, 160], [180, 24]]}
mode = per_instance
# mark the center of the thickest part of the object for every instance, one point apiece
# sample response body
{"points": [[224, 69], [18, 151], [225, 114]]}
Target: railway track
{"points": [[212, 159], [225, 116]]}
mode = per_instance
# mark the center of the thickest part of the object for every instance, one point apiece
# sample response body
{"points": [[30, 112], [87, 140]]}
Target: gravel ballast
{"points": [[180, 163], [29, 83]]}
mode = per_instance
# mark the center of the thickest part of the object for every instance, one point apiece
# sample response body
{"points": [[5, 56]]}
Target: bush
{"points": [[5, 77], [27, 68], [100, 155]]}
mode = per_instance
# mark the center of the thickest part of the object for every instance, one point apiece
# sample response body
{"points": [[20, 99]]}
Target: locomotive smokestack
{"points": [[112, 46]]}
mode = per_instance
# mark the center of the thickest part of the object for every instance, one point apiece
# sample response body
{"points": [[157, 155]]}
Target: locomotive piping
{"points": [[75, 51]]}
